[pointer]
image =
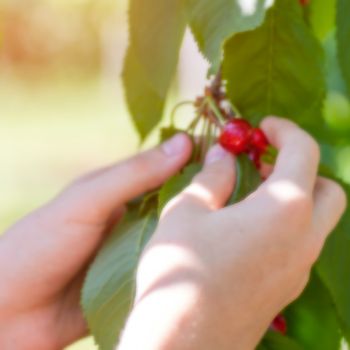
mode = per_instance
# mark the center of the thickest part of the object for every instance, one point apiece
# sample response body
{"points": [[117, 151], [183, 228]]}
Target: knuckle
{"points": [[300, 206], [313, 247]]}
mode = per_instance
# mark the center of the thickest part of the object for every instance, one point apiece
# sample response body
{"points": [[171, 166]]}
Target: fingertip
{"points": [[274, 121], [178, 145], [215, 154], [336, 192], [275, 128]]}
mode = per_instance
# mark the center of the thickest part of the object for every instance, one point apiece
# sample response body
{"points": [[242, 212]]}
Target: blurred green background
{"points": [[62, 111]]}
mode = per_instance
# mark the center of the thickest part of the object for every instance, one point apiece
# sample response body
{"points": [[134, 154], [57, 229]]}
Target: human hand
{"points": [[43, 258], [214, 277]]}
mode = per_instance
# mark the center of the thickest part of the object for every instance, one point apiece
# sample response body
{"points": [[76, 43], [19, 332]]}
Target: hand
{"points": [[214, 277], [44, 257]]}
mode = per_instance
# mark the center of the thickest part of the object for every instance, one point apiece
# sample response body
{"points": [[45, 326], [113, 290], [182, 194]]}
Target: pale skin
{"points": [[211, 277]]}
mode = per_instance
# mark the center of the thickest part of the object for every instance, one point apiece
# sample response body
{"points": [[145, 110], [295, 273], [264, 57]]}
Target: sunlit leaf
{"points": [[322, 17], [156, 31], [109, 288], [277, 69], [213, 21]]}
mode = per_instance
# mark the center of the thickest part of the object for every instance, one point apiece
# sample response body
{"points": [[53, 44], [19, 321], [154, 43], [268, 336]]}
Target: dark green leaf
{"points": [[334, 268], [212, 22], [156, 32], [277, 68], [110, 284], [167, 133], [304, 315], [247, 179], [277, 341], [176, 184], [343, 38]]}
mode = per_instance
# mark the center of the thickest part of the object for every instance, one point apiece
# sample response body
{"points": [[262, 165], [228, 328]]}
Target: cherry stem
{"points": [[216, 111], [176, 108]]}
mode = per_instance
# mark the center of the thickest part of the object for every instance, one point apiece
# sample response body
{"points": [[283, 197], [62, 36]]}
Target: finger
{"points": [[299, 153], [212, 187], [330, 204], [98, 196]]}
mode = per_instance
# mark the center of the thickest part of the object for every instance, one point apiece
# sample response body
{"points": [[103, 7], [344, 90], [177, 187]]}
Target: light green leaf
{"points": [[176, 184], [110, 284], [343, 37], [156, 31], [145, 103], [212, 22], [277, 68], [304, 315], [322, 17]]}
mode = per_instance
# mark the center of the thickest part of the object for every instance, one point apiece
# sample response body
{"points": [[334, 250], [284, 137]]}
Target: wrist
{"points": [[162, 319]]}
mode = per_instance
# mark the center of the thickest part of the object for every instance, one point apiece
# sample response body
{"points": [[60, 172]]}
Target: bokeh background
{"points": [[62, 109]]}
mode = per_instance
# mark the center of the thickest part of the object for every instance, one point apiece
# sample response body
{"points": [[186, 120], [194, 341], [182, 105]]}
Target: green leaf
{"points": [[167, 133], [335, 78], [109, 288], [145, 103], [343, 37], [322, 17], [334, 268], [176, 184], [212, 22], [277, 68], [304, 315], [247, 179], [156, 31], [277, 341]]}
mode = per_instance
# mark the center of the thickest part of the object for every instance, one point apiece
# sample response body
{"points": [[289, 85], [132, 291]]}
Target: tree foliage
{"points": [[277, 57]]}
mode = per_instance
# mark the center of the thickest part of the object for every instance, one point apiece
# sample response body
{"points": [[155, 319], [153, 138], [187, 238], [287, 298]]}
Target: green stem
{"points": [[215, 109], [176, 108]]}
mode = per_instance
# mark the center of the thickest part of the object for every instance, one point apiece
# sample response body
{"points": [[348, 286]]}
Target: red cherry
{"points": [[259, 140], [236, 136], [304, 2], [255, 156], [279, 324]]}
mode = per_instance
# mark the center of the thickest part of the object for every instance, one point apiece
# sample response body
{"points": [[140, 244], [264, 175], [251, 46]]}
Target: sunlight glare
{"points": [[285, 190], [250, 7]]}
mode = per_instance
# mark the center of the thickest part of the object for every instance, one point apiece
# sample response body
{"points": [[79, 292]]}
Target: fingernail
{"points": [[174, 146], [215, 154]]}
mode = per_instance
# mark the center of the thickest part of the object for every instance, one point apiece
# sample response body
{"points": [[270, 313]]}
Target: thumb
{"points": [[99, 195], [212, 187]]}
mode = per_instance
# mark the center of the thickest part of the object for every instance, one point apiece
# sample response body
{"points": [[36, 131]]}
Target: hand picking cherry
{"points": [[238, 137]]}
